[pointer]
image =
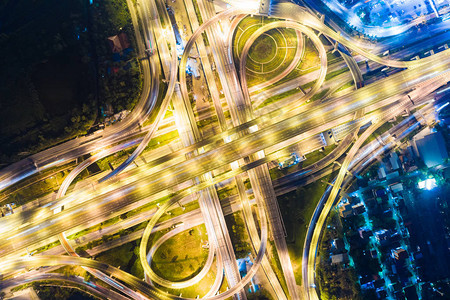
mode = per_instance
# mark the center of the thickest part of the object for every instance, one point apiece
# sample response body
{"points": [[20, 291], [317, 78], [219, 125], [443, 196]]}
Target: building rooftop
{"points": [[397, 187], [431, 148], [338, 244], [399, 253], [358, 209], [393, 159], [346, 210], [118, 42], [339, 258]]}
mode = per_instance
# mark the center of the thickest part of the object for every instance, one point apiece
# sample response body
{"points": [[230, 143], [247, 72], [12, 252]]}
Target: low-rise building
{"points": [[346, 210], [399, 253], [118, 42], [358, 209], [380, 193], [337, 245], [381, 172], [396, 187], [394, 160], [431, 148], [339, 259], [365, 233], [382, 236]]}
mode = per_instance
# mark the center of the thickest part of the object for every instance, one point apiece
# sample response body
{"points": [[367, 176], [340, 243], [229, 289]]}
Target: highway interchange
{"points": [[243, 148]]}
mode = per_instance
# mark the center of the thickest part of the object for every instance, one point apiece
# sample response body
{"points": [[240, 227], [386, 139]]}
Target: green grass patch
{"points": [[336, 73], [162, 140], [180, 210], [201, 288], [345, 86], [227, 191], [263, 49], [197, 11], [126, 257], [333, 57], [121, 156], [182, 256], [40, 188], [319, 95], [190, 206], [238, 235], [280, 96], [310, 62], [317, 155], [274, 261], [205, 122], [46, 247]]}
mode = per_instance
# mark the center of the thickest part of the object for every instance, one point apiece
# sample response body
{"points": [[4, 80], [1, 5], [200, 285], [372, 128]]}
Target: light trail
{"points": [[270, 132]]}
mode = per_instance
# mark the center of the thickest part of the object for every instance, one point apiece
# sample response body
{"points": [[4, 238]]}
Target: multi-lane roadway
{"points": [[247, 146]]}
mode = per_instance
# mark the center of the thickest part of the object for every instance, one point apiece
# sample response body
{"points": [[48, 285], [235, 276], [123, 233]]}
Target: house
{"points": [[380, 195], [399, 253], [370, 202], [365, 233], [358, 209], [381, 172], [118, 42], [394, 160], [396, 187], [382, 236], [337, 245], [431, 148], [339, 258], [345, 210]]}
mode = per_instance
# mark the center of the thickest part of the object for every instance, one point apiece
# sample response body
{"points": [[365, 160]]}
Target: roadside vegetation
{"points": [[297, 208], [238, 235], [335, 281], [48, 289], [36, 186], [126, 257]]}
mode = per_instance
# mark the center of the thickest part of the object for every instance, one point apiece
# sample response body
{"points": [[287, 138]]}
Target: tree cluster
{"points": [[238, 235]]}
